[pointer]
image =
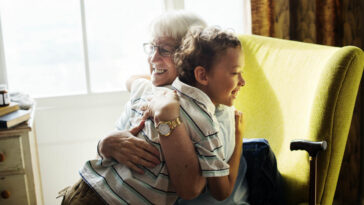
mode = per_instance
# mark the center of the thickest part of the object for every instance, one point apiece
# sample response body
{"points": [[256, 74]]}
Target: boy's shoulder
{"points": [[197, 118], [194, 95]]}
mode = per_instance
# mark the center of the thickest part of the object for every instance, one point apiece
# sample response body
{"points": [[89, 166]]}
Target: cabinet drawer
{"points": [[11, 154], [15, 185]]}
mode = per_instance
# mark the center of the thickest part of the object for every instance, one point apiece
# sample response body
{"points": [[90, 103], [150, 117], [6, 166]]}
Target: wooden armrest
{"points": [[313, 148]]}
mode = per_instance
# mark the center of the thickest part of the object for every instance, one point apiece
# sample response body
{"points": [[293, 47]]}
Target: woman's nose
{"points": [[154, 56]]}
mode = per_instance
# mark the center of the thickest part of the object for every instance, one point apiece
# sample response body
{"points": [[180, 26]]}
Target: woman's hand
{"points": [[163, 106], [127, 149]]}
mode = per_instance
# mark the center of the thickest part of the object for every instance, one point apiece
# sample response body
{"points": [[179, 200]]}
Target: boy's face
{"points": [[225, 78], [162, 67]]}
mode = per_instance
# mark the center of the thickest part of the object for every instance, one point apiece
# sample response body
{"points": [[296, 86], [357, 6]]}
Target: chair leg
{"points": [[313, 180]]}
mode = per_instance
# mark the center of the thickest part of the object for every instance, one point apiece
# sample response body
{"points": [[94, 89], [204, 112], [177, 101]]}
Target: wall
{"points": [[68, 129]]}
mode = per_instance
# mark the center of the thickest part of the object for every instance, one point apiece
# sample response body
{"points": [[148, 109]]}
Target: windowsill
{"points": [[81, 100]]}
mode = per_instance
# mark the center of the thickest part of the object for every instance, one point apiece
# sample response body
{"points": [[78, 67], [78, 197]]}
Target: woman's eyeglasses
{"points": [[150, 48]]}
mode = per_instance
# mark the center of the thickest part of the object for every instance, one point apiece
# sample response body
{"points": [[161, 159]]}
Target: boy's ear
{"points": [[201, 75]]}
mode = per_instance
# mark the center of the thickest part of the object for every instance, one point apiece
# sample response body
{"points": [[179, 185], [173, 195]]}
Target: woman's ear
{"points": [[201, 75]]}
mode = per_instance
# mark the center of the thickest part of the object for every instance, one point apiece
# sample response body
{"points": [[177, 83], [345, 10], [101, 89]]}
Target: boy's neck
{"points": [[204, 89]]}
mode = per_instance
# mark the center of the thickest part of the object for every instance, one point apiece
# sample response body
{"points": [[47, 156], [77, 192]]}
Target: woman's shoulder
{"points": [[139, 87]]}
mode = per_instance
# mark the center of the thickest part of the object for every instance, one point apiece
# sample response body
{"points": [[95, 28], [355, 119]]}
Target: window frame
{"points": [[3, 73]]}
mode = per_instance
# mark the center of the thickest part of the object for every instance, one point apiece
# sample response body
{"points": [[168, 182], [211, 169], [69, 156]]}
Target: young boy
{"points": [[209, 75]]}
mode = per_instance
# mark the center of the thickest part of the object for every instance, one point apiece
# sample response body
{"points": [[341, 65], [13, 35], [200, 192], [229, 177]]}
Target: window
{"points": [[115, 35], [43, 46], [56, 48]]}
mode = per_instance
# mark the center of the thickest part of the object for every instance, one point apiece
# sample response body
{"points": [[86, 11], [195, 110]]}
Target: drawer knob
{"points": [[2, 157], [5, 194]]}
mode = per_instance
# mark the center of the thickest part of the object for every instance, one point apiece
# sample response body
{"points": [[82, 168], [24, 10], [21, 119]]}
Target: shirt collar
{"points": [[192, 92]]}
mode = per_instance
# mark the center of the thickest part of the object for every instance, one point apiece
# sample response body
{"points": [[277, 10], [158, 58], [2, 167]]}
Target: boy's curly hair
{"points": [[202, 47]]}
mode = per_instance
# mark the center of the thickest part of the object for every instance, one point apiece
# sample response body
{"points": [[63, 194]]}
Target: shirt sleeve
{"points": [[122, 122], [210, 152], [138, 87]]}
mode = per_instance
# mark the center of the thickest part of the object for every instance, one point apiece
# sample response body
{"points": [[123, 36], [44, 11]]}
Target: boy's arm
{"points": [[130, 81], [222, 187]]}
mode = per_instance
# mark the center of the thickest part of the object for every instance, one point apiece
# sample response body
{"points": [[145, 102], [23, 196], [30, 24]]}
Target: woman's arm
{"points": [[182, 163], [178, 150], [221, 187]]}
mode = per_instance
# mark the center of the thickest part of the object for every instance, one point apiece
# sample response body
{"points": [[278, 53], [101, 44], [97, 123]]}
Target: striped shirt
{"points": [[117, 184]]}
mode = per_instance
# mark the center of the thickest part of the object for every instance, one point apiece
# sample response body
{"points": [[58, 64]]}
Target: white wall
{"points": [[67, 130]]}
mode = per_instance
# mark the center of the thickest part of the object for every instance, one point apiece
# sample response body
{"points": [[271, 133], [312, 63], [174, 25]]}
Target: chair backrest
{"points": [[298, 90]]}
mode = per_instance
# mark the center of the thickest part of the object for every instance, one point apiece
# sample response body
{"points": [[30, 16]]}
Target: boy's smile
{"points": [[225, 79]]}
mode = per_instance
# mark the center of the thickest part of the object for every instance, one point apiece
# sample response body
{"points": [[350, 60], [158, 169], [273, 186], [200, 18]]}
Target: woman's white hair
{"points": [[175, 24]]}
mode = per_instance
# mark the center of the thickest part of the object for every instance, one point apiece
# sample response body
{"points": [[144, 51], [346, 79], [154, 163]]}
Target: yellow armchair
{"points": [[298, 90]]}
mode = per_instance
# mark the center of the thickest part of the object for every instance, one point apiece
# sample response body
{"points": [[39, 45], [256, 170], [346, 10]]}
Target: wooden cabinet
{"points": [[20, 182]]}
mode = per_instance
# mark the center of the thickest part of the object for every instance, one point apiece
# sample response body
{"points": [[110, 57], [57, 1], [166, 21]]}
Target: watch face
{"points": [[163, 129]]}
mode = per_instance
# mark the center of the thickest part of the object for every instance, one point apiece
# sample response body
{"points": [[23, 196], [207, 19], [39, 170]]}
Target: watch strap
{"points": [[171, 123]]}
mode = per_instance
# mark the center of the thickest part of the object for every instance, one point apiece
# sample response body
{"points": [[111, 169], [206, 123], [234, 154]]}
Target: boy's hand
{"points": [[239, 126]]}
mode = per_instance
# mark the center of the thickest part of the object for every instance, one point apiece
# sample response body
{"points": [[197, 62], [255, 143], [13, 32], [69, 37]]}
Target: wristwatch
{"points": [[165, 128]]}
